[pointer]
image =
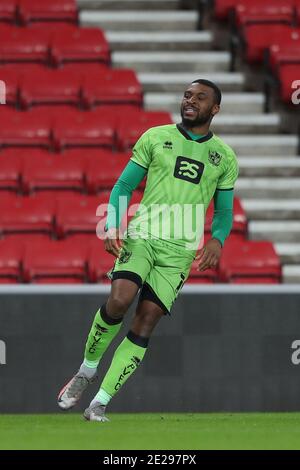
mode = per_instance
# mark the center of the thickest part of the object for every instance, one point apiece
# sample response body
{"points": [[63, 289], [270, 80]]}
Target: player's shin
{"points": [[103, 331], [127, 358]]}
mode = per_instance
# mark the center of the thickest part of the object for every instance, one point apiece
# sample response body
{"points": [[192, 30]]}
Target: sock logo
{"points": [[101, 328], [97, 337], [135, 361]]}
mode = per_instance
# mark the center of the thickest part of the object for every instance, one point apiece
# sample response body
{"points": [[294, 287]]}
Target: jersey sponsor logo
{"points": [[214, 158], [125, 256], [188, 170], [168, 145]]}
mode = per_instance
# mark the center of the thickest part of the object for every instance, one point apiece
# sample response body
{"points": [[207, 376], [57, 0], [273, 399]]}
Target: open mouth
{"points": [[189, 111]]}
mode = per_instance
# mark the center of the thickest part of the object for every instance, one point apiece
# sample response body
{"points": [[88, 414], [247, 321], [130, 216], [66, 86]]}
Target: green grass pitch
{"points": [[152, 431]]}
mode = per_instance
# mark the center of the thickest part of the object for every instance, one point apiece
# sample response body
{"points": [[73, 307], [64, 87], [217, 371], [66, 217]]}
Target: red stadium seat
{"points": [[53, 173], [285, 53], [24, 129], [298, 12], [131, 125], [10, 261], [100, 262], [80, 45], [54, 10], [278, 11], [12, 82], [51, 261], [223, 7], [10, 172], [47, 86], [289, 77], [26, 215], [84, 129], [260, 37], [209, 276], [113, 87], [254, 280], [76, 215], [240, 224], [23, 45], [103, 172], [8, 10], [249, 259]]}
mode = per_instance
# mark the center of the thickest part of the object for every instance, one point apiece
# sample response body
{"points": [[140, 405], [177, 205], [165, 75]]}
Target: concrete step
{"points": [[177, 82], [269, 145], [291, 274], [231, 102], [253, 123], [173, 61], [268, 188], [151, 20], [272, 209], [269, 166], [276, 231], [159, 40], [289, 252], [127, 4]]}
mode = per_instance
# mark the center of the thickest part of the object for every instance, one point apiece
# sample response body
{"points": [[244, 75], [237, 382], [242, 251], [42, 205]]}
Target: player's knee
{"points": [[117, 305], [149, 318]]}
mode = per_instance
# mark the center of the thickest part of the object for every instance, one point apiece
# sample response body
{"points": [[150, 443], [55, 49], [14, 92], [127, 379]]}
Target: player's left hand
{"points": [[209, 255]]}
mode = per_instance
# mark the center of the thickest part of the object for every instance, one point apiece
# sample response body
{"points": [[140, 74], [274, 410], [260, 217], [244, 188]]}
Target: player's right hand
{"points": [[112, 241]]}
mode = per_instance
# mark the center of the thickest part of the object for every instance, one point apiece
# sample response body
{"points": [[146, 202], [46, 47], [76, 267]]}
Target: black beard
{"points": [[199, 121]]}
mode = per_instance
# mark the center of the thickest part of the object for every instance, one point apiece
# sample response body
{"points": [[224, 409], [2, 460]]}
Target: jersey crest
{"points": [[214, 158]]}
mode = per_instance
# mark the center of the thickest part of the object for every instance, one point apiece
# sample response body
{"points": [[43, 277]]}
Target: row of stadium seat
{"points": [[88, 86], [53, 44], [254, 10], [25, 11], [81, 259], [61, 127], [59, 213], [268, 31]]}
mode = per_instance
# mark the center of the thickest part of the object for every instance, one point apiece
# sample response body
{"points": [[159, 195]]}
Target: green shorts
{"points": [[159, 269]]}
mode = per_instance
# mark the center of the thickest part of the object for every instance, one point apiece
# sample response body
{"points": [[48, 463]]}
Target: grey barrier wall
{"points": [[229, 350]]}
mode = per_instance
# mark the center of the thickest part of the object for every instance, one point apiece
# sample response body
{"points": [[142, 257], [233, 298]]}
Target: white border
{"points": [[188, 289]]}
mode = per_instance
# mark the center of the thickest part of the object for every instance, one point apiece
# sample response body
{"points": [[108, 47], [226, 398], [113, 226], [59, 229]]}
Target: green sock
{"points": [[101, 335], [126, 359]]}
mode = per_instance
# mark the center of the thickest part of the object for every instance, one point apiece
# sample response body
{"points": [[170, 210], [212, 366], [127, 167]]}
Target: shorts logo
{"points": [[124, 257], [188, 169], [214, 158]]}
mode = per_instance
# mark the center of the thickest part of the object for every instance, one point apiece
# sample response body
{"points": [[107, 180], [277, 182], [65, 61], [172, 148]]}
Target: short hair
{"points": [[217, 91]]}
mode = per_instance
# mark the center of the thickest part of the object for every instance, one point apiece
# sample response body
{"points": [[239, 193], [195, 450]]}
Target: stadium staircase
{"points": [[166, 49]]}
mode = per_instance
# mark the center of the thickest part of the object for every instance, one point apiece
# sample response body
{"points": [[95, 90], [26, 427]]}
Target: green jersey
{"points": [[182, 177]]}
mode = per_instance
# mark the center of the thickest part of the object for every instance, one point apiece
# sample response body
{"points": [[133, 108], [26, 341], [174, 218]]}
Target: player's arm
{"points": [[223, 215], [221, 227], [129, 180]]}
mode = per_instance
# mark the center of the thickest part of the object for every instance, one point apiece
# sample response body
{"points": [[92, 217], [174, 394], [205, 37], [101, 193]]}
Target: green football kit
{"points": [[183, 175], [184, 172]]}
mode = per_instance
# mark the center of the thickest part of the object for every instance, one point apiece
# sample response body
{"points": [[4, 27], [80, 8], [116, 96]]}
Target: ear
{"points": [[215, 109]]}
